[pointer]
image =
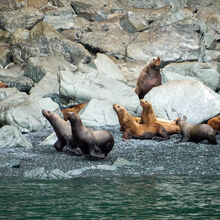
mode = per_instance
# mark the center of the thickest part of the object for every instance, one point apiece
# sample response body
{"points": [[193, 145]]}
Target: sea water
{"points": [[123, 197]]}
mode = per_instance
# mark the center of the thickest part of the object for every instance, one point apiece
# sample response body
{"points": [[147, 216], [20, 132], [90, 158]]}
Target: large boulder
{"points": [[44, 40], [22, 18], [171, 44], [27, 115], [11, 137], [60, 18], [98, 113], [204, 72], [88, 83], [5, 54], [184, 98]]}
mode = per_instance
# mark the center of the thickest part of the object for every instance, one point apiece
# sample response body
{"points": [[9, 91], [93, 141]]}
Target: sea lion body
{"points": [[132, 129], [148, 115], [148, 78], [215, 123], [62, 129], [96, 143], [196, 133]]}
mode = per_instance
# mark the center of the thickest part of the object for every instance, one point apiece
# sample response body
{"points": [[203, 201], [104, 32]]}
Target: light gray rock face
{"points": [[204, 72], [44, 40], [27, 115], [98, 113], [43, 70], [11, 137], [61, 18], [171, 44], [184, 97], [88, 83], [21, 18]]}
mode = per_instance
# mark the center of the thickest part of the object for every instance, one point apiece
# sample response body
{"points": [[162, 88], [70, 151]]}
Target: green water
{"points": [[145, 197]]}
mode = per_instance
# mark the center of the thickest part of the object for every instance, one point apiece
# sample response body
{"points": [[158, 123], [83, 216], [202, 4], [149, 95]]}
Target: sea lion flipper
{"points": [[59, 145]]}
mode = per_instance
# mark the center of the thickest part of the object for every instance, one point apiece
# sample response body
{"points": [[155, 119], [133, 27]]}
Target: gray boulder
{"points": [[27, 115], [204, 72], [88, 83], [22, 18], [44, 40], [11, 163], [5, 54], [60, 18], [186, 46], [184, 98], [98, 113], [11, 137]]}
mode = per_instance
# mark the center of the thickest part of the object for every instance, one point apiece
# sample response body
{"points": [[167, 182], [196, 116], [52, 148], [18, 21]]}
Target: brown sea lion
{"points": [[215, 123], [148, 78], [148, 115], [63, 132], [96, 143], [132, 129], [196, 133], [3, 85], [75, 108]]}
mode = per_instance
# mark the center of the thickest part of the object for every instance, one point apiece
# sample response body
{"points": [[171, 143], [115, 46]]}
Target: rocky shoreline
{"points": [[134, 157]]}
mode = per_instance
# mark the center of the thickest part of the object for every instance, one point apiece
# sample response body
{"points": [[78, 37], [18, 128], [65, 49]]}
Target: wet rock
{"points": [[120, 162], [204, 72], [61, 18], [156, 43], [88, 83], [44, 40], [11, 137], [21, 18], [190, 98], [11, 163], [27, 115], [98, 113], [50, 140], [37, 173], [5, 54]]}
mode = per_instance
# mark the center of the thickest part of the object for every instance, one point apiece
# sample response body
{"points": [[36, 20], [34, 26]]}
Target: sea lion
{"points": [[63, 132], [148, 115], [96, 143], [74, 108], [3, 85], [148, 78], [215, 123], [132, 129], [196, 133]]}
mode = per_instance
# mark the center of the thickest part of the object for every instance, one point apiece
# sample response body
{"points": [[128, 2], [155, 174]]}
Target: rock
{"points": [[27, 116], [120, 162], [60, 18], [50, 140], [21, 18], [88, 83], [5, 54], [37, 3], [98, 113], [12, 163], [44, 40], [43, 70], [58, 174], [37, 173], [150, 44], [204, 72], [6, 5], [60, 3], [11, 137], [184, 97], [107, 67]]}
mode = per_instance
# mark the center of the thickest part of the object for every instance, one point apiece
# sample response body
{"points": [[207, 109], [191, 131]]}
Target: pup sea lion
{"points": [[196, 133], [148, 115], [96, 143], [148, 78], [132, 129], [63, 132]]}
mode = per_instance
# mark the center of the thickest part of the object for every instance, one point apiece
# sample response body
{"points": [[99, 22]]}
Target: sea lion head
{"points": [[47, 114], [155, 63], [119, 109], [72, 117], [145, 103]]}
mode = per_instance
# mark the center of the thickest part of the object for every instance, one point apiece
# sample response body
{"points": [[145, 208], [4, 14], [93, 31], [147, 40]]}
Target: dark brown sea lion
{"points": [[63, 132], [196, 133], [96, 143], [148, 78], [132, 129], [148, 115]]}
